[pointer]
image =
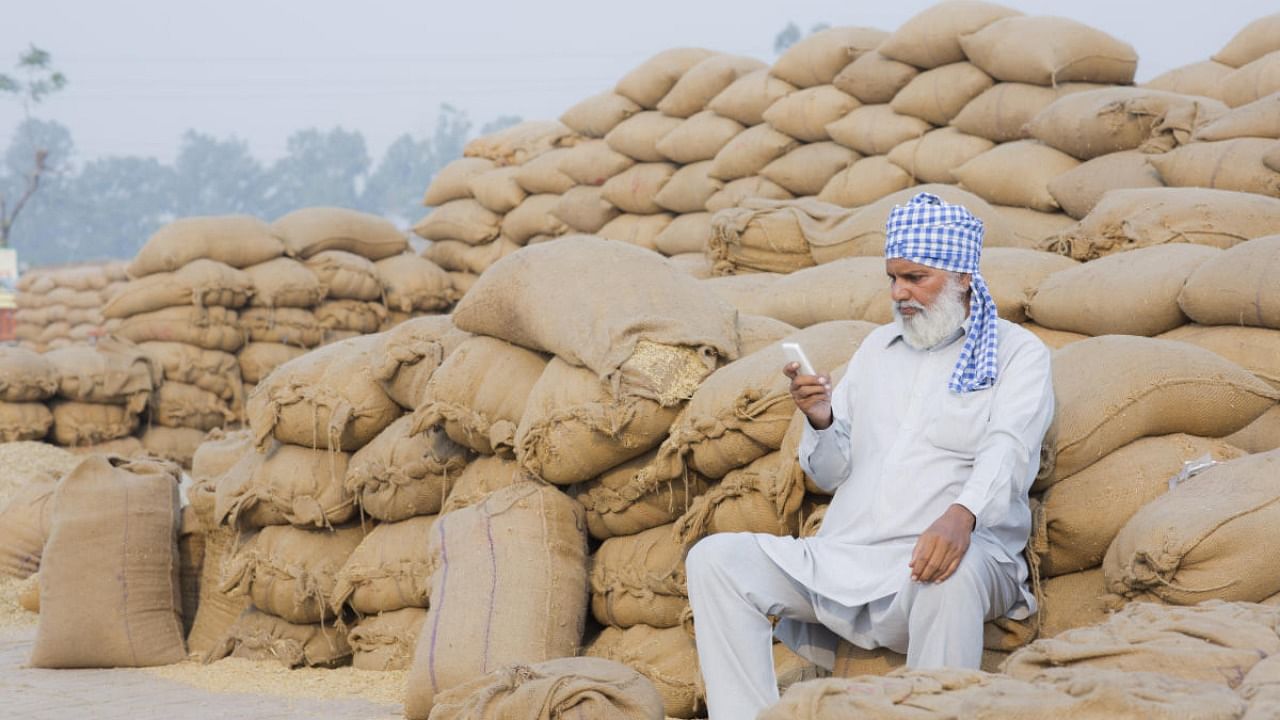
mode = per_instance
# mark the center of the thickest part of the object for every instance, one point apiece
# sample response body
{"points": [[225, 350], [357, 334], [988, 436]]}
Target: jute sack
{"points": [[765, 235], [637, 137], [175, 444], [533, 218], [385, 641], [406, 356], [450, 183], [876, 129], [286, 485], [1090, 124], [465, 221], [658, 337], [355, 316], [1128, 219], [200, 282], [1253, 82], [389, 570], [462, 281], [741, 412], [931, 37], [849, 289], [112, 371], [804, 114], [26, 376], [257, 360], [1031, 228], [497, 189], [864, 182], [817, 59], [216, 611], [324, 399], [346, 276], [309, 231], [1225, 165], [400, 474], [256, 635], [639, 230], [763, 497], [25, 522], [1254, 349], [688, 234], [693, 264], [1203, 78], [1016, 173], [1261, 687], [1077, 191], [481, 478], [109, 592], [1252, 42], [593, 162], [1214, 642], [78, 423], [1071, 601], [938, 95], [1045, 50], [212, 328], [808, 168], [749, 152], [130, 447], [639, 580], [739, 191], [179, 405], [284, 282], [650, 81], [634, 189], [585, 209], [698, 138], [542, 174], [666, 656], [1258, 119], [1201, 540], [1237, 287], [478, 394], [519, 143], [552, 690], [598, 114], [573, 427], [853, 661], [746, 292], [1079, 516], [932, 157], [1133, 293], [190, 566], [1055, 339], [237, 240], [633, 497], [1014, 274], [291, 572], [1260, 435], [746, 99], [411, 283], [703, 82], [873, 78], [1115, 389], [1000, 113], [211, 370], [494, 604]]}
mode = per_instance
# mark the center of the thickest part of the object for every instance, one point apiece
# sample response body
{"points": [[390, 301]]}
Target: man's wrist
{"points": [[965, 514]]}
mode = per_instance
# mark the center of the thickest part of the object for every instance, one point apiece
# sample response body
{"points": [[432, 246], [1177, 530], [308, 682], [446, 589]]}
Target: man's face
{"points": [[911, 283]]}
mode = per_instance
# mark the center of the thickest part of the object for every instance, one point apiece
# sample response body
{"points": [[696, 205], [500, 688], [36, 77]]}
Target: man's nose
{"points": [[898, 292]]}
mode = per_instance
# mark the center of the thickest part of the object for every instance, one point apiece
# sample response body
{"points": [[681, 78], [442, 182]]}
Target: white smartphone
{"points": [[795, 354]]}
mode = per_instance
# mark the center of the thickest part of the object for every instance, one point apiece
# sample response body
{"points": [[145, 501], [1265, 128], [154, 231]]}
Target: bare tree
{"points": [[37, 80]]}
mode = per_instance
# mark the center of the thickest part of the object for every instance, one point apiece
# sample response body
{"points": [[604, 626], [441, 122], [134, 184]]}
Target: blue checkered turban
{"points": [[932, 232]]}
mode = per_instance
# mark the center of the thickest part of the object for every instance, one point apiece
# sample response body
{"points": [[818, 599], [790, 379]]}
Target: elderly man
{"points": [[930, 443]]}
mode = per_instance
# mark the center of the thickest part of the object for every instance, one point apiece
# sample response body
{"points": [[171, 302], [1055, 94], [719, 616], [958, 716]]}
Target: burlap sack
{"points": [[258, 636], [327, 398], [175, 444], [1252, 42], [1258, 119], [1133, 293], [286, 485], [130, 447], [1090, 124], [1045, 50], [687, 234], [808, 168], [190, 565], [542, 174], [876, 129], [931, 38], [1079, 516], [804, 114], [1128, 219], [284, 282], [634, 497], [1261, 687], [639, 230], [695, 264], [1000, 113], [216, 611], [584, 209], [257, 360], [212, 328], [400, 474], [1077, 191], [738, 191], [766, 236], [211, 370], [634, 190], [595, 116], [291, 572], [746, 99], [26, 376], [864, 182], [749, 152], [478, 394], [450, 182], [1200, 540], [497, 189], [494, 604], [1016, 173], [465, 221], [763, 497], [414, 284], [112, 371], [651, 80], [237, 240], [1014, 274], [1203, 78], [1113, 390], [200, 282], [817, 59], [389, 570], [75, 423], [25, 523], [1071, 601], [355, 316], [518, 143], [932, 157], [1225, 165], [698, 138], [179, 405], [1054, 339], [385, 641], [666, 656], [703, 82], [849, 289], [658, 337], [406, 357], [938, 95], [639, 580], [109, 592], [637, 137], [1237, 287], [481, 478], [532, 218], [592, 162], [1254, 349], [1261, 435], [1253, 82], [874, 79], [310, 231]]}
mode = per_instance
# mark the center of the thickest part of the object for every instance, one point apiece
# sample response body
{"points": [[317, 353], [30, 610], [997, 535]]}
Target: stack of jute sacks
{"points": [[63, 306]]}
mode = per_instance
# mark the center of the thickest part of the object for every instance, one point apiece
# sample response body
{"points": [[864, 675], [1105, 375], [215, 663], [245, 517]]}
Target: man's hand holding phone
{"points": [[810, 390]]}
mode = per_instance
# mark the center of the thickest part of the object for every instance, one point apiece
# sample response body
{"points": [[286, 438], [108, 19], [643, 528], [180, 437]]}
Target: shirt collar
{"points": [[964, 329]]}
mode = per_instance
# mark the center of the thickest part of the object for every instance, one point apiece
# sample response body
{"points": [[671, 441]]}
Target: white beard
{"points": [[932, 325]]}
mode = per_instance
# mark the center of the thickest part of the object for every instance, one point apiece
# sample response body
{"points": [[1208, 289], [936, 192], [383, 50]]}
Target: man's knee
{"points": [[964, 592], [713, 552]]}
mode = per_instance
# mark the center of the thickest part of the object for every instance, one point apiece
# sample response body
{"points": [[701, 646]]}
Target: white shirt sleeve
{"points": [[825, 454]]}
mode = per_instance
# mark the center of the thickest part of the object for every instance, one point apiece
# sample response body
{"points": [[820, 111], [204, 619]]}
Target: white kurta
{"points": [[901, 450]]}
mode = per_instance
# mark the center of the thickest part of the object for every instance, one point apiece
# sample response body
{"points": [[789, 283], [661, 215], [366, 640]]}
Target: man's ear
{"points": [[967, 279]]}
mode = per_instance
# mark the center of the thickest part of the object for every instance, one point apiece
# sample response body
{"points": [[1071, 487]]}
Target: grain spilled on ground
{"points": [[234, 675], [11, 613], [21, 462]]}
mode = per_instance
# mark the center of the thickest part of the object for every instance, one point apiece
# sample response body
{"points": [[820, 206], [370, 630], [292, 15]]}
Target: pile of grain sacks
{"points": [[63, 306]]}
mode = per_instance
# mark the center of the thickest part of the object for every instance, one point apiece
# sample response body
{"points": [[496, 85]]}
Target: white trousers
{"points": [[734, 586]]}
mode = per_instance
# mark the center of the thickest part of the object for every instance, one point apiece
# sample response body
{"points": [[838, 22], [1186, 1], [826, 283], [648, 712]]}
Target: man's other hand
{"points": [[812, 394], [942, 546]]}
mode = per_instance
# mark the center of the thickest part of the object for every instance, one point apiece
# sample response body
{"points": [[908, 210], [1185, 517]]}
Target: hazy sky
{"points": [[143, 71]]}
